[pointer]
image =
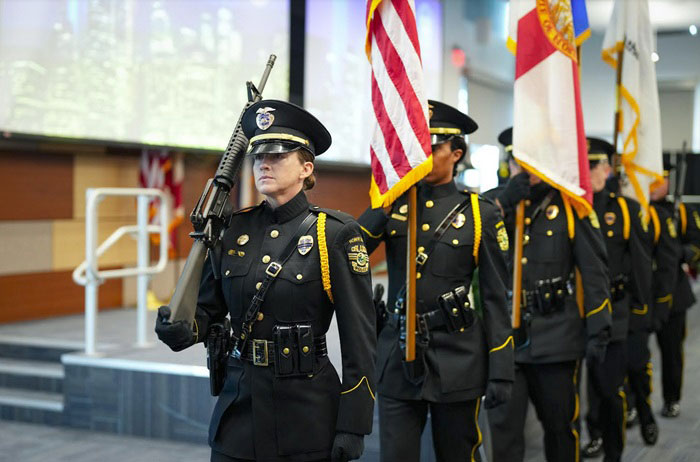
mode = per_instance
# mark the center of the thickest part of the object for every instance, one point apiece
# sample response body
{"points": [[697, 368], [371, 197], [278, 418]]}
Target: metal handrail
{"points": [[88, 274]]}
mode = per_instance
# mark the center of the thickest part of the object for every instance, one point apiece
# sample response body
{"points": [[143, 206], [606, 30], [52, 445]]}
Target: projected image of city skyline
{"points": [[168, 72]]}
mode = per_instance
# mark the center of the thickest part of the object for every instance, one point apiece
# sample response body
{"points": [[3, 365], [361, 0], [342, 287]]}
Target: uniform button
{"points": [[523, 260], [455, 241], [610, 233], [461, 329], [242, 336], [231, 252], [425, 227], [261, 316], [258, 285], [418, 275], [227, 272], [305, 349], [549, 232], [274, 233], [266, 259], [420, 249], [393, 231], [528, 220], [299, 277], [429, 204], [526, 239], [285, 351], [612, 194], [527, 202], [455, 311]]}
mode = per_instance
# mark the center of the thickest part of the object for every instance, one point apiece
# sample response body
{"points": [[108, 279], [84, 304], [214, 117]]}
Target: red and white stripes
{"points": [[400, 144]]}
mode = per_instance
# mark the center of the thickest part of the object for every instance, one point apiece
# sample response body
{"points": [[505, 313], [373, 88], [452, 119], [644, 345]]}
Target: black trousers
{"points": [[456, 433], [639, 376], [553, 390], [606, 400], [219, 457], [670, 339]]}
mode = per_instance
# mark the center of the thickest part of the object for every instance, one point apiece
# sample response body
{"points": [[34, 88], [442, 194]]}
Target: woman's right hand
{"points": [[177, 335]]}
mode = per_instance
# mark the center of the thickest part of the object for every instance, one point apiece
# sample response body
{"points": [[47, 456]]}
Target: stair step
{"points": [[31, 375], [31, 399], [31, 367], [35, 349]]}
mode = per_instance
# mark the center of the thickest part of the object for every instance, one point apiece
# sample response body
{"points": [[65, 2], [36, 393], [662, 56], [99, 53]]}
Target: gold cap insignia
{"points": [[264, 118]]}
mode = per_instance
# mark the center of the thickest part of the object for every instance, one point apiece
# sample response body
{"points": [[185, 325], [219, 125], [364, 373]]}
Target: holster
{"points": [[295, 351], [549, 296], [456, 309], [414, 371], [218, 343]]}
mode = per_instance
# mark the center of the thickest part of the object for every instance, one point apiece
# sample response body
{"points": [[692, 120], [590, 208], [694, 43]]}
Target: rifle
{"points": [[209, 215]]}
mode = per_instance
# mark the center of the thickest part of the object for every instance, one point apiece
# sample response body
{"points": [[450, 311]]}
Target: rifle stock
{"points": [[209, 215]]}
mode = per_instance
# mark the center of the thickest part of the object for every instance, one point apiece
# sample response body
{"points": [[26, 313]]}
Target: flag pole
{"points": [[517, 262], [411, 275], [618, 114]]}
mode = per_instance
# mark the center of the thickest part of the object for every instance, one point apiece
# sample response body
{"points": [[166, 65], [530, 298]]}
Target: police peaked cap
{"points": [[599, 149], [446, 122], [506, 139], [274, 126]]}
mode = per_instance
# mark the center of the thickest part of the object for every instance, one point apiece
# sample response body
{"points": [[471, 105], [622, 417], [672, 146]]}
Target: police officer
{"points": [[645, 319], [671, 334], [282, 399], [461, 353], [629, 265], [555, 331]]}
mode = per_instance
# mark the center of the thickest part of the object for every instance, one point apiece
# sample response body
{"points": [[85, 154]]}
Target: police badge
{"points": [[552, 211], [264, 118], [305, 244], [609, 218], [459, 221]]}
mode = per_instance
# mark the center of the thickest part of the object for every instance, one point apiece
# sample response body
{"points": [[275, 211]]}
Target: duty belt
{"points": [[548, 296], [617, 287], [262, 352]]}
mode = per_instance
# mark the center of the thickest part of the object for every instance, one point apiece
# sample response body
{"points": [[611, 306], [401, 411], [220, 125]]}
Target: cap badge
{"points": [[552, 212], [305, 244], [265, 118]]}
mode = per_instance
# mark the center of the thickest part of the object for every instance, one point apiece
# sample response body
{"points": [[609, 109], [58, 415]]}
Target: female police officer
{"points": [[282, 399]]}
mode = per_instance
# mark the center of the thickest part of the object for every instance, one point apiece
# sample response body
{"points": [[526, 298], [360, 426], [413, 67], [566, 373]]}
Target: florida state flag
{"points": [[548, 135]]}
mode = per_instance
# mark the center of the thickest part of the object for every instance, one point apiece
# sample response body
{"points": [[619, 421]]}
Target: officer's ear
{"points": [[457, 155]]}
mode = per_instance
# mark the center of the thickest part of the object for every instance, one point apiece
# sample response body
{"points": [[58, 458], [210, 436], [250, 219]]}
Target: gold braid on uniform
{"points": [[657, 225], [625, 217], [684, 218], [323, 253], [477, 227]]}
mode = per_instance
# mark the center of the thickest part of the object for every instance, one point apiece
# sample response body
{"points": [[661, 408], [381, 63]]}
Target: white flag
{"points": [[639, 126]]}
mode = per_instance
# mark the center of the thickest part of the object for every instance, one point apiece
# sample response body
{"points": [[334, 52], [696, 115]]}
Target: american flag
{"points": [[163, 170], [400, 145]]}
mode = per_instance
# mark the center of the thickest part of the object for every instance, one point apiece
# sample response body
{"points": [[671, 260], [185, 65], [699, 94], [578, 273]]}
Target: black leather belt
{"points": [[262, 352]]}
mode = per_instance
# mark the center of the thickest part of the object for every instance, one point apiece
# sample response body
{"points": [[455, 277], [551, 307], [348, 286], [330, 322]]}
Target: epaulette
{"points": [[481, 197], [336, 214], [247, 209]]}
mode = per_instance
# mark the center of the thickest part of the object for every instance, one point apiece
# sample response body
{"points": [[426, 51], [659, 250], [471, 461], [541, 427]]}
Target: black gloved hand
{"points": [[347, 446], [497, 393], [177, 335], [517, 189], [597, 346]]}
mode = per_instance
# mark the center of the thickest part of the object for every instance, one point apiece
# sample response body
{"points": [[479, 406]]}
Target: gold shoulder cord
{"points": [[323, 252], [684, 218], [625, 217], [477, 227], [657, 225], [571, 226]]}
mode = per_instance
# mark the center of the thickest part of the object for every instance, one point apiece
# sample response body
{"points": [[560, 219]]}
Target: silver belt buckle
{"points": [[260, 357], [273, 269]]}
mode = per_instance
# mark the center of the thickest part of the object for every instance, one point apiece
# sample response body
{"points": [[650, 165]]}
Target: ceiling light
{"points": [[654, 56], [693, 29]]}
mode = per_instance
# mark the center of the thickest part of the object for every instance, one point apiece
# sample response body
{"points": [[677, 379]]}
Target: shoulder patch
{"points": [[502, 236], [594, 219], [671, 228], [357, 255]]}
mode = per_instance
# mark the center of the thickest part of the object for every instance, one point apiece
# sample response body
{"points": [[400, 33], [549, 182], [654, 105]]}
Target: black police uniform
{"points": [[459, 359], [282, 399], [645, 319], [629, 265], [671, 335], [554, 330]]}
